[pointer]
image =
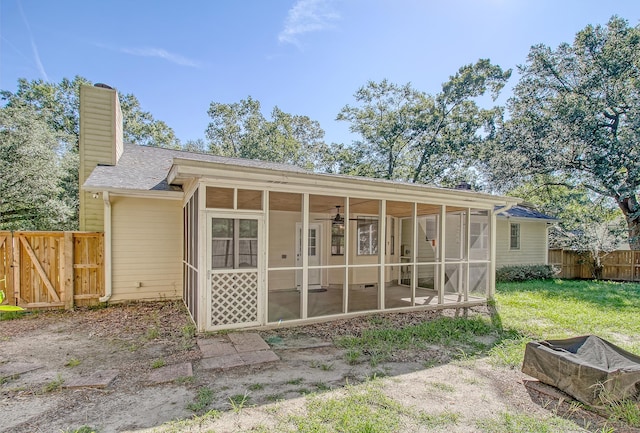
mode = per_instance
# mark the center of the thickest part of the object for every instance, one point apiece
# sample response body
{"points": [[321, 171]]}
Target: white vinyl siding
{"points": [[147, 249], [533, 243], [100, 143]]}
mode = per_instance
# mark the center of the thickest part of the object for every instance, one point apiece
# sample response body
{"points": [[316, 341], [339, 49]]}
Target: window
{"points": [[367, 236], [234, 243], [515, 236], [337, 239]]}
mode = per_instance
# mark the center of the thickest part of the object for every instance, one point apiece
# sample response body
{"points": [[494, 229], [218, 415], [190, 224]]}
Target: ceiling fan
{"points": [[337, 219]]}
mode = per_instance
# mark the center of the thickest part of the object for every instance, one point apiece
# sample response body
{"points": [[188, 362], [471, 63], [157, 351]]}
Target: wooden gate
{"points": [[52, 269]]}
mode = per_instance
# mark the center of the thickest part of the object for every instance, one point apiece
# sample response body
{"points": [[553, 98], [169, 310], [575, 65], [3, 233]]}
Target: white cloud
{"points": [[307, 16], [162, 54]]}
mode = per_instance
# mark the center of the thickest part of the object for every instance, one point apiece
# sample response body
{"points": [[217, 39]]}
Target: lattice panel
{"points": [[234, 298]]}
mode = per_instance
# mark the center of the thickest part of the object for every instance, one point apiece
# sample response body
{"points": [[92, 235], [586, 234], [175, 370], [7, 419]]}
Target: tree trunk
{"points": [[631, 211], [634, 233]]}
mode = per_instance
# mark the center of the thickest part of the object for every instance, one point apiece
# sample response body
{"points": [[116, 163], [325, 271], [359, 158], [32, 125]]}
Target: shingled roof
{"points": [[145, 168], [525, 212]]}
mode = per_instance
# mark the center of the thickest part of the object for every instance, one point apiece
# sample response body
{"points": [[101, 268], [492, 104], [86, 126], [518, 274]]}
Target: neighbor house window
{"points": [[515, 236], [337, 239], [367, 236]]}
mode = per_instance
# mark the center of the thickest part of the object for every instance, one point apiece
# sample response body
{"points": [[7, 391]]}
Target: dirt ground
{"points": [[133, 339]]}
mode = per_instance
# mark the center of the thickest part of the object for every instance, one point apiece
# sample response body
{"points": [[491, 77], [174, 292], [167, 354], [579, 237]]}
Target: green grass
{"points": [[626, 411], [83, 429], [12, 315], [439, 420], [73, 362], [238, 401], [53, 385], [455, 333], [152, 333], [296, 381], [188, 331], [441, 386], [158, 363], [562, 308], [538, 310], [204, 398], [523, 423], [362, 409]]}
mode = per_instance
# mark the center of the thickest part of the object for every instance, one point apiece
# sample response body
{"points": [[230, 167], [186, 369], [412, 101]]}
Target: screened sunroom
{"points": [[265, 247], [265, 243]]}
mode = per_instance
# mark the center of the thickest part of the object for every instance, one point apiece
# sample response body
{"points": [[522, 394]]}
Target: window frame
{"points": [[234, 241], [514, 236], [373, 244], [337, 239]]}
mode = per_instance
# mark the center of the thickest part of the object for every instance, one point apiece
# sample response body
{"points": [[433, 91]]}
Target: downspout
{"points": [[107, 248]]}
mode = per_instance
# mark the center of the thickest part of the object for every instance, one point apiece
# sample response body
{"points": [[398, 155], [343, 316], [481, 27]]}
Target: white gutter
{"points": [[107, 247]]}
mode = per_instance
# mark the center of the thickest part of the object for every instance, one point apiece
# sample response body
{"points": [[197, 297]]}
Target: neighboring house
{"points": [[522, 236], [226, 235]]}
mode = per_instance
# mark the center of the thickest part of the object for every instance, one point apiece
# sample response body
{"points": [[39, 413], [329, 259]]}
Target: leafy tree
{"points": [[240, 130], [31, 173], [57, 105], [140, 127], [409, 135], [453, 126], [198, 145], [385, 119], [576, 113], [587, 222]]}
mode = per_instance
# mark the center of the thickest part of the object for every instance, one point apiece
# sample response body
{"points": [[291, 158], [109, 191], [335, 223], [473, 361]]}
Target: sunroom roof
{"points": [[145, 168]]}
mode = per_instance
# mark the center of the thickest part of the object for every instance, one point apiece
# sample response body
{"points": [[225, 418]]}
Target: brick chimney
{"points": [[100, 143]]}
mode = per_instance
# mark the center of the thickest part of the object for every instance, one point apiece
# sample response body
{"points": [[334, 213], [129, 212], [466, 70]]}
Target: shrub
{"points": [[508, 274]]}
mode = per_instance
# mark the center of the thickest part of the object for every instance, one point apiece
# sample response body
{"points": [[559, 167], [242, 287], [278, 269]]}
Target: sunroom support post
{"points": [[414, 253], [204, 266], [467, 255], [443, 253], [382, 252], [264, 305], [491, 291], [347, 243], [304, 290]]}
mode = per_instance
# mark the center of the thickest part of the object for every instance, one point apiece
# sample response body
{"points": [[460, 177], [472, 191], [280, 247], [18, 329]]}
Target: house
{"points": [[248, 243], [522, 236]]}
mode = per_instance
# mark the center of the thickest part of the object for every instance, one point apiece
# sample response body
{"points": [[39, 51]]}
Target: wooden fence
{"points": [[617, 265], [52, 269]]}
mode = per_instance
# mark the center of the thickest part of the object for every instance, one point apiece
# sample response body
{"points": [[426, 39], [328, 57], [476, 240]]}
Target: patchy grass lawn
{"points": [[522, 312], [421, 371], [552, 309]]}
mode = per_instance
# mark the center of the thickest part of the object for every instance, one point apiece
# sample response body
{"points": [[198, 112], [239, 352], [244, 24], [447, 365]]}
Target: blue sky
{"points": [[308, 57]]}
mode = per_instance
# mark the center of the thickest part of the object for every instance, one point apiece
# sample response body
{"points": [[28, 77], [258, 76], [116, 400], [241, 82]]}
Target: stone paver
{"points": [[248, 342], [221, 362], [170, 373], [98, 379], [259, 357], [14, 368], [211, 348], [241, 349]]}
